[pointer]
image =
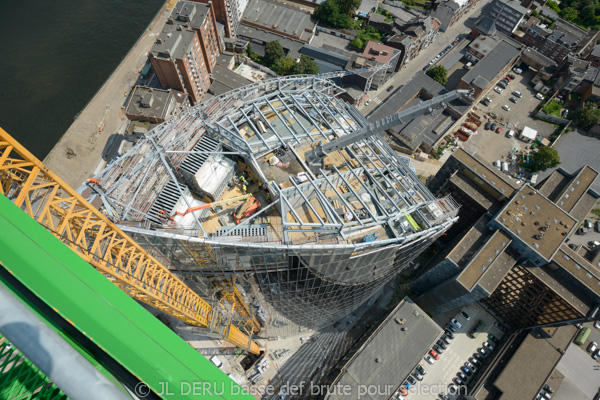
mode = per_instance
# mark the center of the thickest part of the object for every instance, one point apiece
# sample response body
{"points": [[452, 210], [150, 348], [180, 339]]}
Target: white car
{"points": [[429, 359], [367, 102], [456, 323], [539, 96], [497, 90], [505, 107], [597, 325], [518, 70]]}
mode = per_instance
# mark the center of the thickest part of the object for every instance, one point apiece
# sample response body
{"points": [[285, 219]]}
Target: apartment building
{"points": [[416, 35], [448, 12], [507, 15], [228, 12], [201, 19], [179, 63]]}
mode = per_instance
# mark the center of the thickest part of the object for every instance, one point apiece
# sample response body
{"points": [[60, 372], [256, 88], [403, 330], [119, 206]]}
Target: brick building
{"points": [[178, 61], [200, 18], [507, 15], [228, 12], [416, 35], [564, 39]]}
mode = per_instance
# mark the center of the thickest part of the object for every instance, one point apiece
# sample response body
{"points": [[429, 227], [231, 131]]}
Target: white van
{"points": [[498, 164], [505, 167], [215, 360], [510, 133], [539, 96]]}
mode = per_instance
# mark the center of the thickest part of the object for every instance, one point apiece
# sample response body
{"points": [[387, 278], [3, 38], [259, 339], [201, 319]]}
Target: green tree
{"points": [[535, 13], [284, 66], [587, 116], [357, 43], [438, 74], [306, 65], [545, 158], [329, 13], [348, 6], [273, 52], [569, 13], [553, 5]]}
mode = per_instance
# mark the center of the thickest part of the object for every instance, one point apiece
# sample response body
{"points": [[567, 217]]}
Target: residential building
{"points": [[228, 12], [422, 131], [201, 19], [154, 105], [507, 15], [571, 73], [383, 54], [594, 56], [179, 62], [281, 19], [258, 39], [545, 67], [563, 39], [224, 78], [448, 12], [493, 64], [327, 61], [387, 356], [510, 250], [380, 22], [589, 89], [416, 35]]}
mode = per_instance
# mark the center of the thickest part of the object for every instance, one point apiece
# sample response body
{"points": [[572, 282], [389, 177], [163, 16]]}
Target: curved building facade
{"points": [[223, 190]]}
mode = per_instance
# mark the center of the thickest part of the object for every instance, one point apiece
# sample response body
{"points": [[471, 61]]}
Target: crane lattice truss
{"points": [[51, 202]]}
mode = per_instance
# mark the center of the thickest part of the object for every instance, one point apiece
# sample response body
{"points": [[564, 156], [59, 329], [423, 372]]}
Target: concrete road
{"points": [[440, 374], [414, 66]]}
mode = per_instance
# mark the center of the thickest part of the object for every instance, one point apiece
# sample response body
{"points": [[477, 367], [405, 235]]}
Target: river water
{"points": [[54, 55]]}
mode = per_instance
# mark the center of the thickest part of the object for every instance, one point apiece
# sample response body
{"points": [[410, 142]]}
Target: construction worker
{"points": [[244, 188], [268, 221], [259, 184], [268, 197]]}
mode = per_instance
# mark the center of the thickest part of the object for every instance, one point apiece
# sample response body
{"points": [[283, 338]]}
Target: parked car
{"points": [[442, 396], [470, 366], [494, 126], [539, 96], [503, 84], [389, 89], [466, 370], [465, 315], [421, 369], [461, 375], [367, 102], [596, 354], [498, 130], [500, 326], [514, 100], [456, 323], [434, 354], [518, 70], [417, 375], [441, 344], [485, 102], [508, 78], [488, 125], [517, 93], [592, 347], [597, 226], [505, 107], [489, 346], [498, 90], [429, 359], [458, 381], [479, 357], [597, 325], [451, 327], [511, 76], [449, 334], [482, 352], [446, 339], [493, 338], [474, 361]]}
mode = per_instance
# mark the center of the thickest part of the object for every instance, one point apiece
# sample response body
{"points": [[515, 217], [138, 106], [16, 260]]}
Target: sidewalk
{"points": [[78, 151]]}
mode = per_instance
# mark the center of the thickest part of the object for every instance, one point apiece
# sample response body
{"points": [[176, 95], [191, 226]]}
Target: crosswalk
{"points": [[376, 101]]}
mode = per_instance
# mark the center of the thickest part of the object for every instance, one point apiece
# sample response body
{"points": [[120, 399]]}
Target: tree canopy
{"points": [[585, 13], [587, 116], [545, 158], [438, 74], [330, 13], [273, 52]]}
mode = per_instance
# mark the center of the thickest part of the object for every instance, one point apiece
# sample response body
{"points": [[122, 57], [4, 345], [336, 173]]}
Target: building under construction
{"points": [[228, 191]]}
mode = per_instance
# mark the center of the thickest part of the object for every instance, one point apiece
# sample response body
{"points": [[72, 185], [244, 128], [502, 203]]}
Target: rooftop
{"points": [[172, 43], [224, 79], [290, 46], [151, 103], [288, 20], [536, 221], [579, 267], [495, 61], [379, 51], [363, 191], [578, 186], [390, 353], [529, 368], [484, 44], [190, 13]]}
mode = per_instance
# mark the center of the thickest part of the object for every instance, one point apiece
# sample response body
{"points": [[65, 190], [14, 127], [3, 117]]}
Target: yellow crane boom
{"points": [[45, 197]]}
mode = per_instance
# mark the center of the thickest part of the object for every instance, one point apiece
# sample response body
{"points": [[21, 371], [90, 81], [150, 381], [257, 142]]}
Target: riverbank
{"points": [[78, 152]]}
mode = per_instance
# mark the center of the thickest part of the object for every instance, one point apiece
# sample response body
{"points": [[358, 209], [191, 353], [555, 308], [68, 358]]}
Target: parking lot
{"points": [[439, 375], [493, 146]]}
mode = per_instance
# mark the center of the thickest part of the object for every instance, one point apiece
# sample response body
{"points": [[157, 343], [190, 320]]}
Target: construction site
{"points": [[260, 213]]}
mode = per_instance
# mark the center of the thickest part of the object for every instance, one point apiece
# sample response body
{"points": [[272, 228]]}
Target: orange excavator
{"points": [[213, 204], [251, 206]]}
